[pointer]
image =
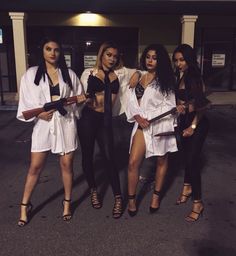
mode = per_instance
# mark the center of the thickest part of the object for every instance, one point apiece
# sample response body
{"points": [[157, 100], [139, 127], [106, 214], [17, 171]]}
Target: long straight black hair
{"points": [[192, 75], [164, 71], [42, 70]]}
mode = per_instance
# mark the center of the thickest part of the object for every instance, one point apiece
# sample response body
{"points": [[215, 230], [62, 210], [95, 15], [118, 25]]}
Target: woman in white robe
{"points": [[152, 96], [53, 131]]}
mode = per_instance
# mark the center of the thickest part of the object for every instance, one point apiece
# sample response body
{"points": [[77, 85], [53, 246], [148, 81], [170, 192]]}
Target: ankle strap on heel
{"points": [[197, 202], [186, 185], [66, 200], [27, 204], [156, 192], [131, 196]]}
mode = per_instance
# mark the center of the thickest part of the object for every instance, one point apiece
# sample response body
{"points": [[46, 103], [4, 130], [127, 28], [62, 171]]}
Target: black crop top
{"points": [[183, 95], [54, 90], [96, 85], [139, 91]]}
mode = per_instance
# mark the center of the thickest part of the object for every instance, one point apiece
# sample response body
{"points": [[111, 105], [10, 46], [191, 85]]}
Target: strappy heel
{"points": [[152, 209], [95, 200], [199, 214], [68, 216], [118, 208], [132, 213], [183, 198], [29, 208]]}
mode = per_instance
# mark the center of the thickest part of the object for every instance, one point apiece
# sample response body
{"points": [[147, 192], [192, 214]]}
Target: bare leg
{"points": [[136, 156], [161, 169], [66, 163], [36, 166]]}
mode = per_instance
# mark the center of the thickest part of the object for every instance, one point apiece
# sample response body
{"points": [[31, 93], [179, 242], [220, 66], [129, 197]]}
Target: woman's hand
{"points": [[134, 79], [81, 98], [46, 116], [188, 132], [181, 108], [89, 102], [143, 122]]}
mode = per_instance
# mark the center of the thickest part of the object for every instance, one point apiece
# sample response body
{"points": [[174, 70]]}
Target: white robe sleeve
{"points": [[26, 95], [132, 107], [124, 74], [77, 90], [84, 78], [167, 123]]}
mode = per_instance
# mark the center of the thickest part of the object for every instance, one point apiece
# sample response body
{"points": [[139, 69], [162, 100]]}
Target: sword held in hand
{"points": [[172, 111], [57, 105]]}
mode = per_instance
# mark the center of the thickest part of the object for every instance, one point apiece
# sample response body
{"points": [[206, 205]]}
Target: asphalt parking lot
{"points": [[95, 232]]}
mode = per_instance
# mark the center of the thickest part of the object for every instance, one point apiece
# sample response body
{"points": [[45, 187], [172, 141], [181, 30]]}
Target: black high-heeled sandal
{"points": [[68, 216], [199, 214], [95, 200], [180, 200], [118, 208], [152, 209], [29, 208], [131, 212]]}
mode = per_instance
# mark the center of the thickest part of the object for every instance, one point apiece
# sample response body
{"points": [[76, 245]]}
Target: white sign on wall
{"points": [[89, 61], [218, 60], [1, 40], [68, 60]]}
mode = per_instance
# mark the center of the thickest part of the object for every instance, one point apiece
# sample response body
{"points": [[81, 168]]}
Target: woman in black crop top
{"points": [[191, 104], [96, 123]]}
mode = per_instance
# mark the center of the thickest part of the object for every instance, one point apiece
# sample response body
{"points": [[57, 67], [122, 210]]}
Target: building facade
{"points": [[208, 26]]}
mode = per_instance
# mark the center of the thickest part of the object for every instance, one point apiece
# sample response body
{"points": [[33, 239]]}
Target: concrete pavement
{"points": [[95, 232]]}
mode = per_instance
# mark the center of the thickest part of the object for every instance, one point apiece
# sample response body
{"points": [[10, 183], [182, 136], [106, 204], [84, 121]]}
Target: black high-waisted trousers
{"points": [[90, 129], [191, 147]]}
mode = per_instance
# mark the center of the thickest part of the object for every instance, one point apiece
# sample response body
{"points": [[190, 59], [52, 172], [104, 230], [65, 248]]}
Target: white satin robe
{"points": [[152, 104], [59, 134], [124, 74]]}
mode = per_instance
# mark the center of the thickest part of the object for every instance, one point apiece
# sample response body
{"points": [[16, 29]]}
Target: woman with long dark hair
{"points": [[105, 85], [53, 130], [152, 96], [193, 124]]}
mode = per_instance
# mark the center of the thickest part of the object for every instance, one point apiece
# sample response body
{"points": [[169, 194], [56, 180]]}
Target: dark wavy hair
{"points": [[101, 51], [42, 70], [164, 71]]}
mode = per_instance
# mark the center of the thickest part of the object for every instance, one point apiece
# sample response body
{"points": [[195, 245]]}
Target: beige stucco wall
{"points": [[165, 29], [216, 21]]}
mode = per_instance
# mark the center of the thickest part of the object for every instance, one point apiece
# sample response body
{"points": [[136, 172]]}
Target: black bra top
{"points": [[54, 90], [139, 91], [97, 85], [183, 95]]}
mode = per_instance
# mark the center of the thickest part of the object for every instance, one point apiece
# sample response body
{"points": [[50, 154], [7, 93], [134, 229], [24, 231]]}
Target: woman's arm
{"points": [[26, 95], [134, 111], [143, 122], [200, 105], [134, 79]]}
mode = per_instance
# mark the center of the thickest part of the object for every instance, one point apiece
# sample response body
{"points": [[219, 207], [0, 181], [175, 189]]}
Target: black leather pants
{"points": [[191, 147], [90, 129]]}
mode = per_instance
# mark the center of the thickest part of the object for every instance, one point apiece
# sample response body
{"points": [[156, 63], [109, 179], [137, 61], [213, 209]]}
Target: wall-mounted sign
{"points": [[68, 60], [218, 60], [89, 61], [1, 39]]}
